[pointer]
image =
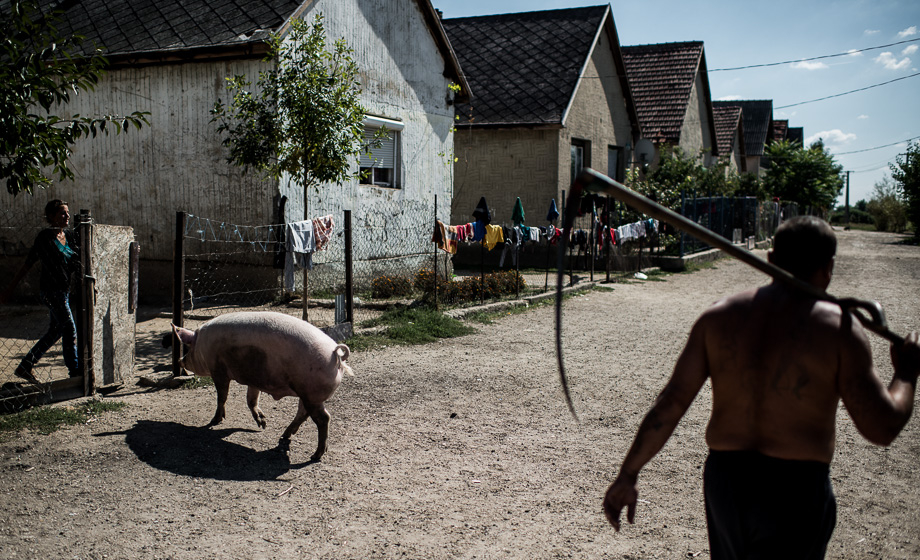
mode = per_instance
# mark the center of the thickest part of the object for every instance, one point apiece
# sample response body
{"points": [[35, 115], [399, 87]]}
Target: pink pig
{"points": [[273, 353]]}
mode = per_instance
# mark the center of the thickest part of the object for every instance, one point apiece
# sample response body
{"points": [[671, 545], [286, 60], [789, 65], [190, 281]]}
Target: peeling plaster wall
{"points": [[113, 323]]}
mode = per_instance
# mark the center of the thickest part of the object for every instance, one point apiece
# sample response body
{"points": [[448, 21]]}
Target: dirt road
{"points": [[459, 449]]}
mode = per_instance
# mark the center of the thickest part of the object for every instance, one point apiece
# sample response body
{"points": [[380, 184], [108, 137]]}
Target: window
{"points": [[616, 164], [380, 164], [581, 156]]}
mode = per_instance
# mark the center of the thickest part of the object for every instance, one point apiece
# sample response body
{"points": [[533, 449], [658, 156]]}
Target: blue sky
{"points": [[747, 33]]}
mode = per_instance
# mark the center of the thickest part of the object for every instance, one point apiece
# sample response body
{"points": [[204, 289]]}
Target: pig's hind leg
{"points": [[252, 399], [320, 417]]}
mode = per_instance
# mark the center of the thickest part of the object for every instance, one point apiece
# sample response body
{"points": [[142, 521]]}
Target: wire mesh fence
{"points": [[36, 322], [231, 267]]}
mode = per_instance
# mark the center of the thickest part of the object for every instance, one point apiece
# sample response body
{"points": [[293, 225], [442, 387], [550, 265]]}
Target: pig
{"points": [[272, 353]]}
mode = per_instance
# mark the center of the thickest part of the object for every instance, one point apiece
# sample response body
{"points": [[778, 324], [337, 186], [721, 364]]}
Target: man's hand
{"points": [[622, 493], [906, 358]]}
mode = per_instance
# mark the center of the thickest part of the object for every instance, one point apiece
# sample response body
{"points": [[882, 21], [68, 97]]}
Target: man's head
{"points": [[805, 246]]}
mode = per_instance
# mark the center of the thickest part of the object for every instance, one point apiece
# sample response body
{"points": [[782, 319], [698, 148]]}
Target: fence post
{"points": [[349, 272], [436, 254], [607, 237], [88, 289], [178, 288], [683, 212]]}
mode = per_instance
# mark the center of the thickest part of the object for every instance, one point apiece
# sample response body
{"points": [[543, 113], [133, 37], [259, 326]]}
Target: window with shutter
{"points": [[380, 162]]}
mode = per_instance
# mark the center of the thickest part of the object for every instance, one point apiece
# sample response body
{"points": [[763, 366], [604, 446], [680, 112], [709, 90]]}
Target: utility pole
{"points": [[847, 201]]}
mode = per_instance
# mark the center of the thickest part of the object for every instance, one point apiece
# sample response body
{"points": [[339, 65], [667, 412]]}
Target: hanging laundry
{"points": [[479, 231], [481, 213], [517, 214], [553, 212], [322, 231], [300, 246], [493, 237], [442, 238]]}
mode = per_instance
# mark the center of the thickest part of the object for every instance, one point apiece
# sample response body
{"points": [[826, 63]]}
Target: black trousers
{"points": [[763, 507]]}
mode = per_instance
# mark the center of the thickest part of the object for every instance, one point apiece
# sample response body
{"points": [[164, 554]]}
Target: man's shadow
{"points": [[204, 453]]}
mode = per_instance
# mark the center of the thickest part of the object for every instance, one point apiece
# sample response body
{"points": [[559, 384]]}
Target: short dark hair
{"points": [[52, 208], [803, 245]]}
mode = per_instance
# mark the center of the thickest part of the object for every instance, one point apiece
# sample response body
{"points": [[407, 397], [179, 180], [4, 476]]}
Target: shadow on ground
{"points": [[203, 452]]}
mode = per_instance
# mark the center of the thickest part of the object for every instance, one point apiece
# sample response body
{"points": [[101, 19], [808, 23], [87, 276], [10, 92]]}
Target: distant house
{"points": [[550, 97], [730, 136], [670, 85], [757, 119], [780, 129], [171, 58]]}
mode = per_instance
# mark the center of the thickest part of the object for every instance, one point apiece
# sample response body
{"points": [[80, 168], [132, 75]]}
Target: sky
{"points": [[754, 33]]}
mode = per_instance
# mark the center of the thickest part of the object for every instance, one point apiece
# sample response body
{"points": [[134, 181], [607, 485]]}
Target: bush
{"points": [[385, 287], [472, 288]]}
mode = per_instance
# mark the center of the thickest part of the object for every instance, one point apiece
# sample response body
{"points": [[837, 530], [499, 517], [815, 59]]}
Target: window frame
{"points": [[394, 128]]}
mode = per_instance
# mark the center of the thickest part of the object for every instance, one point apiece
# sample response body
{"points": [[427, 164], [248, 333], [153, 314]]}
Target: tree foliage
{"points": [[886, 207], [41, 68], [807, 176], [304, 117], [906, 171]]}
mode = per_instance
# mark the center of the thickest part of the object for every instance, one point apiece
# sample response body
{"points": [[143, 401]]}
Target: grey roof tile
{"points": [[522, 68], [757, 116]]}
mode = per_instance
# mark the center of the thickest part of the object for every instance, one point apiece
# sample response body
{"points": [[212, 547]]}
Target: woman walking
{"points": [[55, 247]]}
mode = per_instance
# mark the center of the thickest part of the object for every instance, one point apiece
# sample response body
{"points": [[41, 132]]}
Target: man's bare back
{"points": [[773, 357]]}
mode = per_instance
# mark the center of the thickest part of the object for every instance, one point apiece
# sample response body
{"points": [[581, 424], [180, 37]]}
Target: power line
{"points": [[848, 92], [876, 148], [814, 57]]}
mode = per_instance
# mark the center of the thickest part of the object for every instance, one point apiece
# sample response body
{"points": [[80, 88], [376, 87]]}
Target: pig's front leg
{"points": [[252, 399], [222, 383]]}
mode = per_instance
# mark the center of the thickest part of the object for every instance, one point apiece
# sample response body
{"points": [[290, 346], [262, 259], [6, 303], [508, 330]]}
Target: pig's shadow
{"points": [[203, 452]]}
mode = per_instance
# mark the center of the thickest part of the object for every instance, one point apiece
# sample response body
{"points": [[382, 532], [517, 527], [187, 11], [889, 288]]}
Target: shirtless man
{"points": [[779, 362]]}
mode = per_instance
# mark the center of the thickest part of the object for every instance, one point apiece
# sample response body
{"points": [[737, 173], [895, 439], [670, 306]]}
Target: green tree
{"points": [[304, 118], [906, 171], [886, 207], [41, 68], [807, 176]]}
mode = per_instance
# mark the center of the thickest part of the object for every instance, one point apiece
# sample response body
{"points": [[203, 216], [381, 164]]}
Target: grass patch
{"points": [[46, 420], [406, 326], [196, 382]]}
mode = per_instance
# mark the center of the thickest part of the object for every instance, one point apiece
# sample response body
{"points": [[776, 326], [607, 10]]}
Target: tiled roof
{"points": [[796, 134], [757, 117], [661, 78], [143, 26], [523, 68], [779, 129], [158, 29], [727, 120]]}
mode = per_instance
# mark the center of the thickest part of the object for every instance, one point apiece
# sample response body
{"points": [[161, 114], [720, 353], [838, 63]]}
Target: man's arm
{"points": [[689, 375], [879, 413]]}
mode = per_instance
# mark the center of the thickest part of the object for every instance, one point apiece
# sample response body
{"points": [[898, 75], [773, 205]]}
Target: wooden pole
{"points": [[88, 289], [436, 255], [349, 272], [178, 288]]}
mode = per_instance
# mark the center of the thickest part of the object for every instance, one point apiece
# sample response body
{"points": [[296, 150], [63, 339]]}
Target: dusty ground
{"points": [[461, 449]]}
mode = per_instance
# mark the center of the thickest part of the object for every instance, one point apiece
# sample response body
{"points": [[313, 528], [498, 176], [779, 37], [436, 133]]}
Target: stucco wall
{"points": [[113, 321], [696, 134]]}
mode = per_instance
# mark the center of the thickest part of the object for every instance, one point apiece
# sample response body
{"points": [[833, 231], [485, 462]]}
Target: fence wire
{"points": [[24, 320], [233, 267]]}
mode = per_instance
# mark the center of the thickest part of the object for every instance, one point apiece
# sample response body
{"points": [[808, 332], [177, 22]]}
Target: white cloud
{"points": [[809, 65], [912, 30], [862, 117], [871, 31], [730, 98], [835, 137], [890, 62], [909, 50]]}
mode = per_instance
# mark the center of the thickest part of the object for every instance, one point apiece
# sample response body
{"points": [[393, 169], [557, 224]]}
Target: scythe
{"points": [[869, 313]]}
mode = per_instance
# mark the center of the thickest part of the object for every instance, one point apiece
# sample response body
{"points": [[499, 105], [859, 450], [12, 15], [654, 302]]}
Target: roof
{"points": [[148, 31], [525, 67], [796, 134], [661, 77], [757, 117], [727, 119], [779, 129]]}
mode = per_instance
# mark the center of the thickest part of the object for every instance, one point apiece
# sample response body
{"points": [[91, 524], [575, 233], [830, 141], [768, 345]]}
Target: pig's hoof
{"points": [[316, 457]]}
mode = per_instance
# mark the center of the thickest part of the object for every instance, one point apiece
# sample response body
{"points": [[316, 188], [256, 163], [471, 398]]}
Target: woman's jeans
{"points": [[62, 327]]}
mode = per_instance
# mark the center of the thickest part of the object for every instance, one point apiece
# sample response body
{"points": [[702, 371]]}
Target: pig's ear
{"points": [[186, 336]]}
